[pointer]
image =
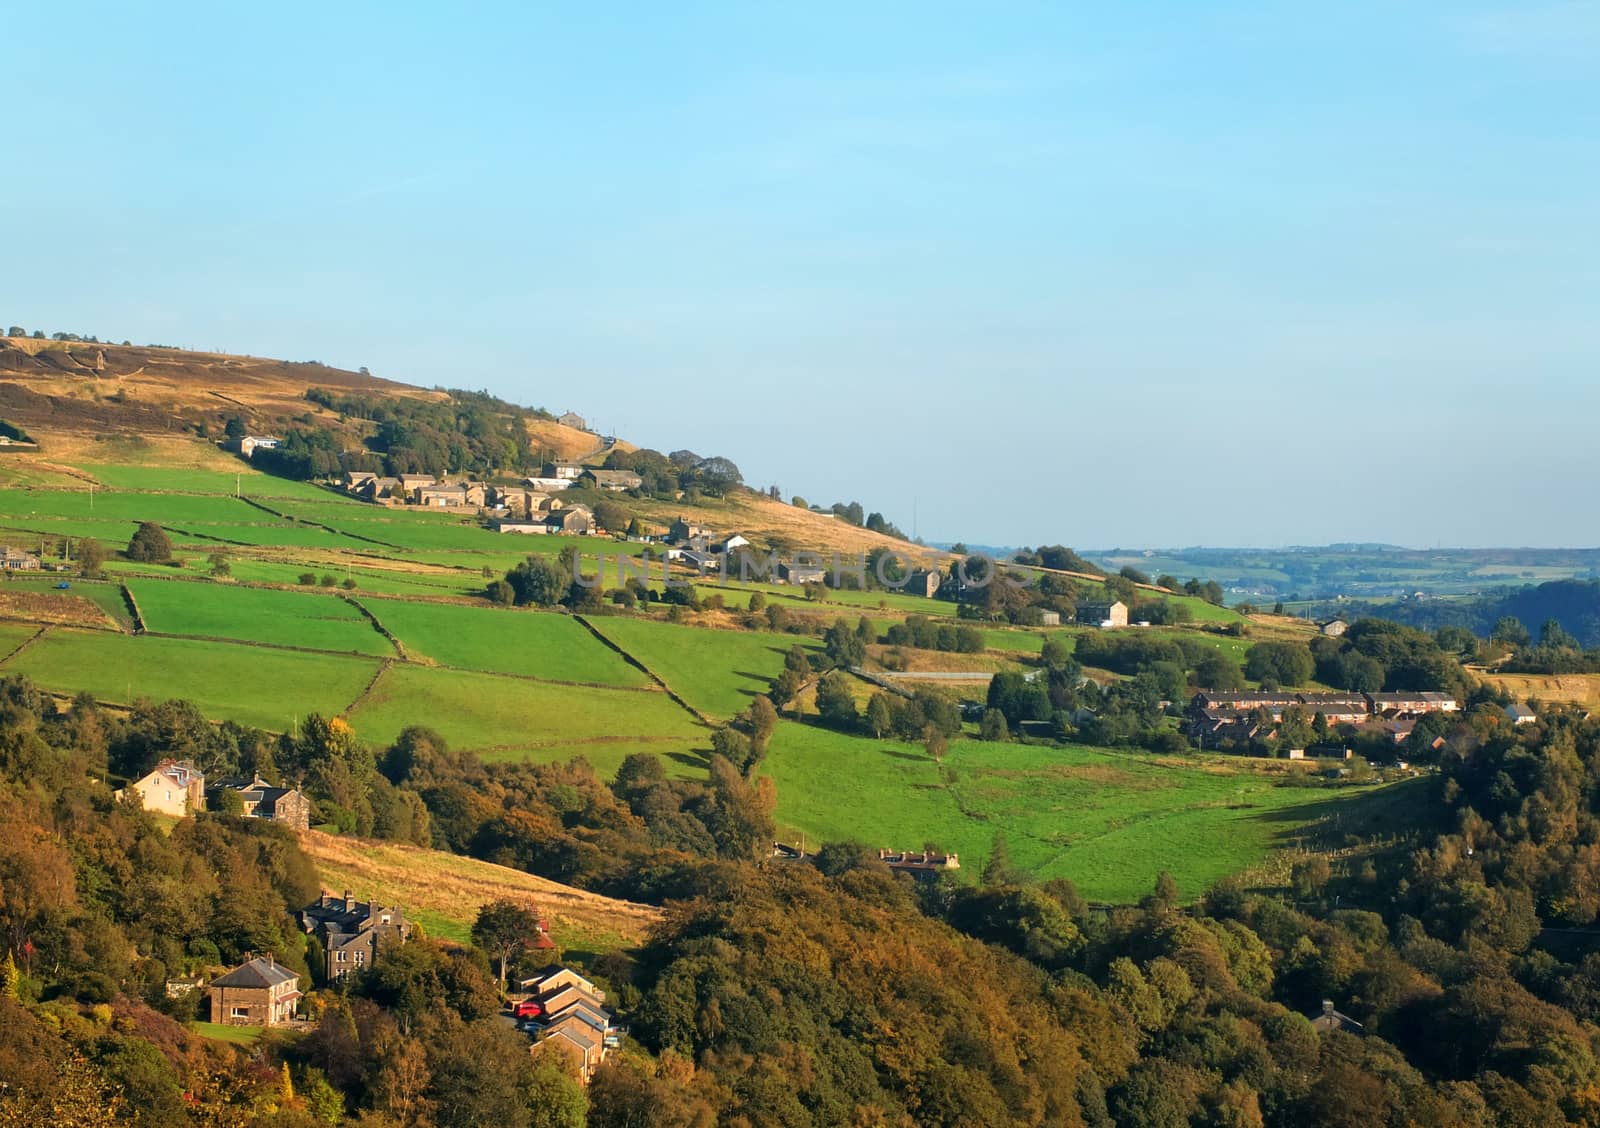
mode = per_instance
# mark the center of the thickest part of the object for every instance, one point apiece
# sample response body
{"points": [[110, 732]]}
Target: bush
{"points": [[308, 578]]}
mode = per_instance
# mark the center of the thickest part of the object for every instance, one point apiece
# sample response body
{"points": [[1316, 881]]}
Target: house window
{"points": [[239, 1012], [341, 957], [361, 957]]}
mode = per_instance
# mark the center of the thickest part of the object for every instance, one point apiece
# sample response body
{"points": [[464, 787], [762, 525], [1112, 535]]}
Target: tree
{"points": [[994, 726], [307, 579], [1214, 671], [503, 929], [836, 703], [717, 475], [1510, 631], [219, 565], [554, 1098], [935, 743], [150, 544], [1286, 663], [329, 580], [880, 717], [235, 427], [91, 557], [539, 580]]}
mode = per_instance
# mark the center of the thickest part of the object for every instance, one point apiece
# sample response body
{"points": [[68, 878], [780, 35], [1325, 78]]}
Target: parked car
{"points": [[63, 586]]}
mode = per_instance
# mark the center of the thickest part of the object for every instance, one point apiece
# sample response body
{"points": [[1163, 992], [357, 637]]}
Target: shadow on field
{"points": [[912, 756], [696, 759], [1348, 813]]}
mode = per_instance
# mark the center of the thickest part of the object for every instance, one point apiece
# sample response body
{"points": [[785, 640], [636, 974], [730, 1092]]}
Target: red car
{"points": [[527, 1009]]}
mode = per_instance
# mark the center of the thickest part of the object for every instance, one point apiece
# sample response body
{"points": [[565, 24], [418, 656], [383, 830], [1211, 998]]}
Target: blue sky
{"points": [[1105, 274]]}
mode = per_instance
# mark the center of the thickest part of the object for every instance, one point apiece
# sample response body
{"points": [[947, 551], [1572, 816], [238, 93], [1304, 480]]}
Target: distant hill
{"points": [[92, 402]]}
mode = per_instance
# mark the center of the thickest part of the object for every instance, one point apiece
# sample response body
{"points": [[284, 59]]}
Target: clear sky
{"points": [[1106, 274]]}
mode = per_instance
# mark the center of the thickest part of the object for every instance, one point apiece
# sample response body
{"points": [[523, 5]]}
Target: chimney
{"points": [[1327, 1006], [350, 906]]}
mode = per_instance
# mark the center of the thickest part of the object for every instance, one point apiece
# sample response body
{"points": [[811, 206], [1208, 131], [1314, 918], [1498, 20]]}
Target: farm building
{"points": [[1049, 618], [16, 560], [1520, 714], [566, 471], [529, 528], [287, 805], [259, 992], [572, 419], [922, 863], [925, 584], [614, 480], [574, 521], [547, 485], [441, 497], [410, 483], [353, 932], [1113, 614], [172, 787], [1333, 628], [247, 445], [801, 573], [683, 531]]}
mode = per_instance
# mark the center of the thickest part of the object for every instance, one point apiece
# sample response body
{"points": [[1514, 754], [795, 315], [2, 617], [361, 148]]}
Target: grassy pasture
{"points": [[252, 685], [252, 483], [119, 505], [511, 718], [389, 581], [715, 671], [13, 635], [278, 618], [1108, 821], [531, 643]]}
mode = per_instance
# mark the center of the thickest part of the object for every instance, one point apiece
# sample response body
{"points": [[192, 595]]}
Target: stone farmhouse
{"points": [[353, 933], [1104, 615], [287, 805], [259, 992], [16, 560]]}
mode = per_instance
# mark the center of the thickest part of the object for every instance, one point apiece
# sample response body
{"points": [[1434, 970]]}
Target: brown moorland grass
{"points": [[444, 891], [1581, 689], [56, 609]]}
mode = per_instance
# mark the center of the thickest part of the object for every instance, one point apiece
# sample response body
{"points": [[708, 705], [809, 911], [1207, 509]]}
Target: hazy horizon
{"points": [[1248, 275]]}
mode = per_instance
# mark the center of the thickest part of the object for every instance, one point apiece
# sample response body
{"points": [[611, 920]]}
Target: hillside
{"points": [[90, 404], [445, 891]]}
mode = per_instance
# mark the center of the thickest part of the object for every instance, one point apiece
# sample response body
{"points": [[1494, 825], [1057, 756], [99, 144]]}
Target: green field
{"points": [[537, 644], [13, 635], [717, 672], [252, 483], [511, 718], [207, 609], [221, 1032], [1108, 821], [249, 684], [115, 505]]}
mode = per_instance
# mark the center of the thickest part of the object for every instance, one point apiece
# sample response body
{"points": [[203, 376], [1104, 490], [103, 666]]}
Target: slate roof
{"points": [[258, 972]]}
